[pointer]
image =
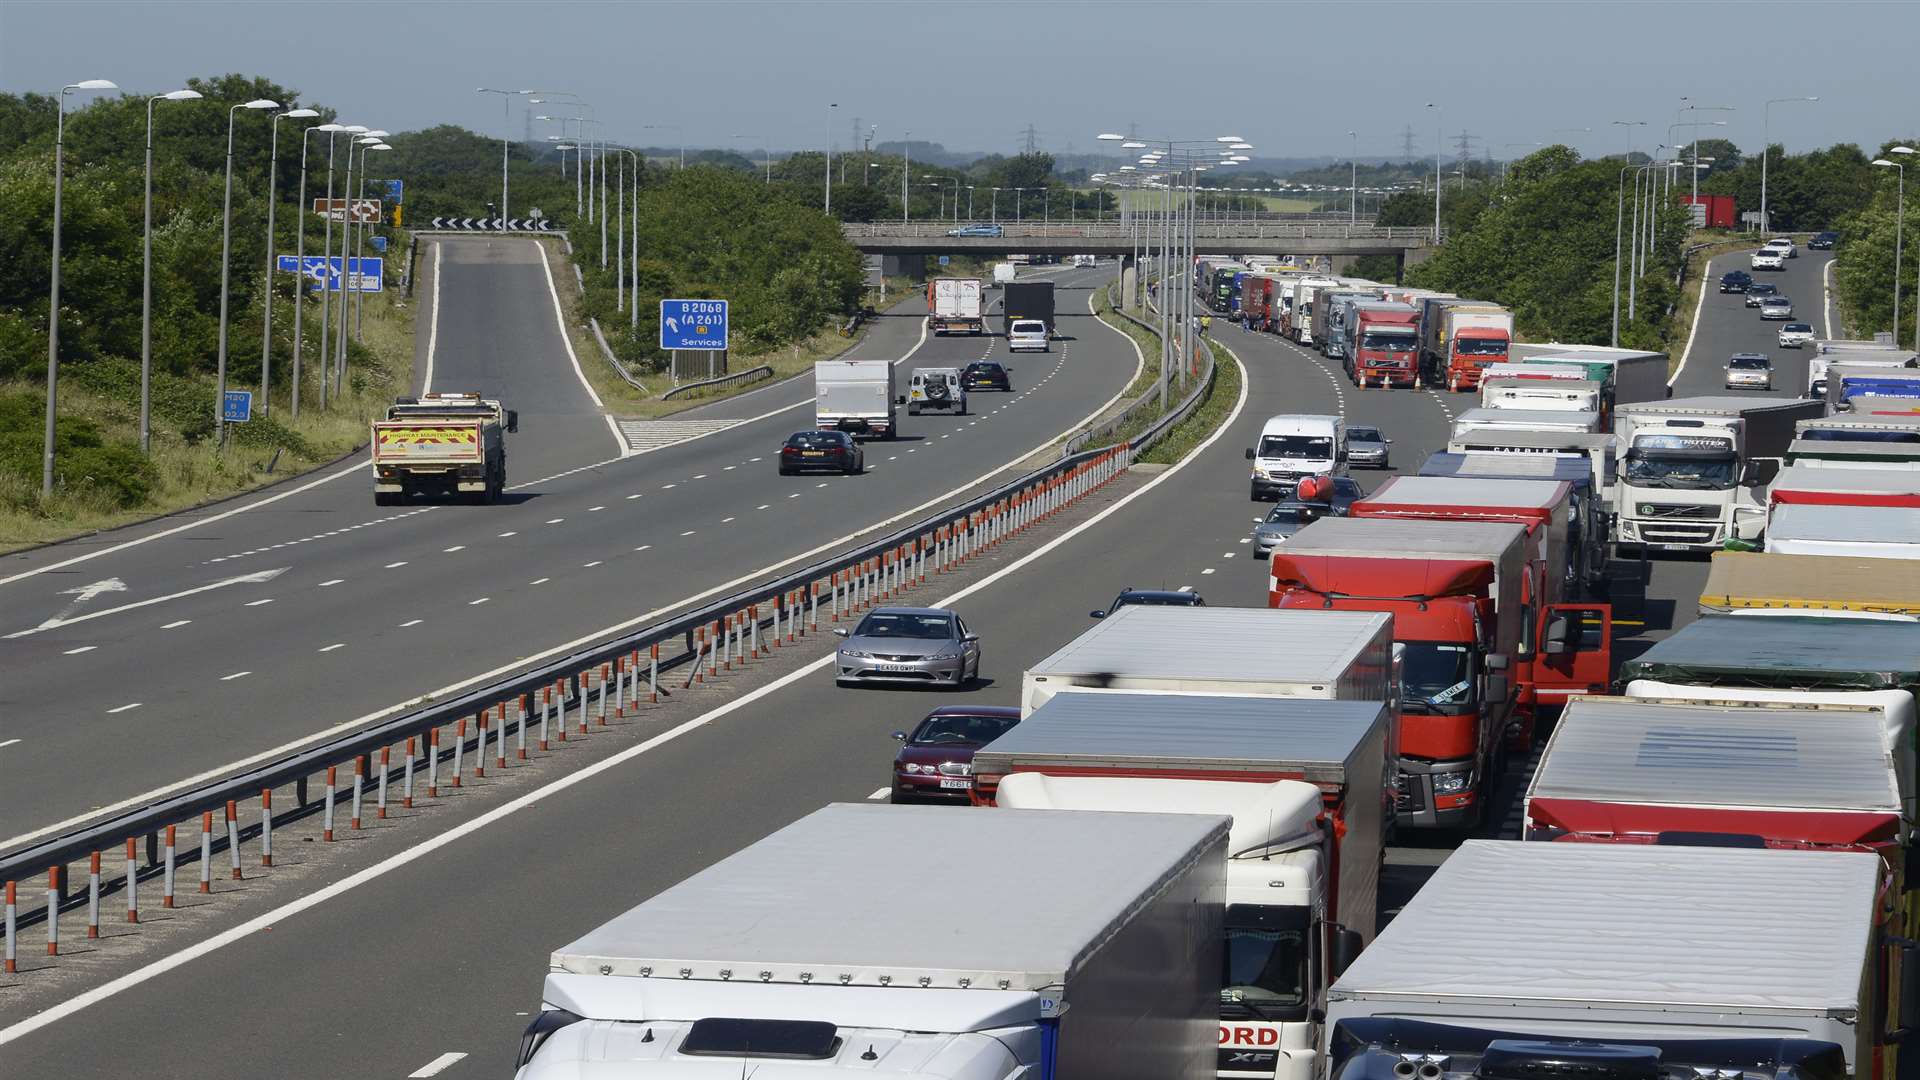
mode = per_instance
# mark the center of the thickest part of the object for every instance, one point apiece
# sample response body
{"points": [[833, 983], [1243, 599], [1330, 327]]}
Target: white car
{"points": [[1749, 371], [1795, 334], [1785, 245], [1027, 335], [1769, 259]]}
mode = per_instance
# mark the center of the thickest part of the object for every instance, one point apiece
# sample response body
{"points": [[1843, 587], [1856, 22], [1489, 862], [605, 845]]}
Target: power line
{"points": [[1032, 139]]}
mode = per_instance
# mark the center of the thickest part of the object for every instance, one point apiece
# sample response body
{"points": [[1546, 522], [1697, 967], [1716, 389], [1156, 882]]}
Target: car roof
{"points": [[815, 433], [911, 611], [1167, 594], [1004, 712]]}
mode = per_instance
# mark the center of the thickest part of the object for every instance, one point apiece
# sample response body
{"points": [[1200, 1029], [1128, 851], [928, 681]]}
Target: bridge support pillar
{"points": [[1414, 256], [1129, 278], [911, 267]]}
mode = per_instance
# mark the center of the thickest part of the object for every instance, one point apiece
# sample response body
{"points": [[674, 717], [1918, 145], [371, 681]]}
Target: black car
{"points": [[832, 450], [985, 375], [1823, 241], [1152, 598], [1759, 291], [1735, 281]]}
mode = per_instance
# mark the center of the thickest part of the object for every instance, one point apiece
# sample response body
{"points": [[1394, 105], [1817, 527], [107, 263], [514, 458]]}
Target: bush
{"points": [[85, 463]]}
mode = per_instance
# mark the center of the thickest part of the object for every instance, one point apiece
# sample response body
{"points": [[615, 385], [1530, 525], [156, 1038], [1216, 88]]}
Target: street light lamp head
{"points": [[379, 146], [1883, 162], [1249, 146], [1229, 138], [297, 114], [1108, 136], [1133, 144], [259, 103], [1902, 149], [355, 128], [329, 127], [378, 134], [180, 95], [91, 84]]}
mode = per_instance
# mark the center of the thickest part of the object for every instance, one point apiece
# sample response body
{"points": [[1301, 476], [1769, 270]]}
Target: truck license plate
{"points": [[948, 783]]}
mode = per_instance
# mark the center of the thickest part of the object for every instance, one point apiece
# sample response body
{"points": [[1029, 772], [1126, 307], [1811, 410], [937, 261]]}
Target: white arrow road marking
{"points": [[81, 595], [244, 579]]}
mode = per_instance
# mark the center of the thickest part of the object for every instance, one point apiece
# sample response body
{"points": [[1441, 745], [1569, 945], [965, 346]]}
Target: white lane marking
{"points": [[334, 581], [454, 548], [349, 470], [875, 797], [823, 484], [1706, 275], [702, 476], [437, 1065], [508, 810], [433, 324], [413, 622], [689, 532], [594, 563], [753, 459], [555, 521], [592, 509], [9, 742], [1185, 588], [1226, 554], [730, 468], [668, 487], [635, 495], [175, 624], [643, 547], [540, 581], [723, 521], [1826, 295], [508, 533], [641, 619], [396, 565], [1208, 570], [1246, 539], [566, 339], [235, 675], [123, 708], [482, 600], [763, 506], [244, 579], [335, 645], [257, 603], [81, 649]]}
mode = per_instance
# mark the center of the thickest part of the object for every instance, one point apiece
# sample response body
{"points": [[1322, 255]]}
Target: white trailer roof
{"points": [[823, 898], [1411, 537], [1545, 440], [1895, 526], [1222, 733], [1755, 756], [1848, 481], [1709, 405], [1265, 814], [1222, 644], [1687, 928], [1539, 417], [1468, 491]]}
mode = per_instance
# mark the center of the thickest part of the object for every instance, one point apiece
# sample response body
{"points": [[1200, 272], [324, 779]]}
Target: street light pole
{"points": [[826, 177], [146, 280], [53, 298], [266, 300], [300, 260], [326, 279], [1899, 236], [506, 139], [1766, 144], [906, 152], [1353, 181], [226, 247], [1436, 170], [632, 264]]}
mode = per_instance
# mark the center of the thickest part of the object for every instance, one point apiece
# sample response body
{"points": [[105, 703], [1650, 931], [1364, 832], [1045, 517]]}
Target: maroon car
{"points": [[935, 764]]}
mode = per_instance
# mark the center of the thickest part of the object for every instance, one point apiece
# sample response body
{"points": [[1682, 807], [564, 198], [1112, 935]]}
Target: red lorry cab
{"points": [[1386, 345]]}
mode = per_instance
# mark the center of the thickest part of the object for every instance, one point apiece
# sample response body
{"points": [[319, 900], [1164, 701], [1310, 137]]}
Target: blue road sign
{"points": [[365, 275], [236, 406], [395, 188], [693, 324], [943, 260], [379, 243]]}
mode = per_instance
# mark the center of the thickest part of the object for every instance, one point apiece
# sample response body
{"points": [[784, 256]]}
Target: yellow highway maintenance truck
{"points": [[441, 444]]}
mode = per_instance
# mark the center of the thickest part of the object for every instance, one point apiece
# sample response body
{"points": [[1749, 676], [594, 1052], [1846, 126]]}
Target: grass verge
{"points": [[100, 422], [1212, 412], [624, 400]]}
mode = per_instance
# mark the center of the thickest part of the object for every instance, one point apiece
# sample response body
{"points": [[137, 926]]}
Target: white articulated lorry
{"points": [[1571, 421], [1056, 945], [1342, 655], [1691, 467], [1617, 961], [1304, 782]]}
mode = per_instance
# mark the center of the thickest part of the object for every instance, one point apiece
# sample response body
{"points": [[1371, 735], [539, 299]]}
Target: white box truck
{"points": [[955, 306], [1629, 375], [1304, 783], [854, 396], [1614, 961], [1054, 945], [1343, 655]]}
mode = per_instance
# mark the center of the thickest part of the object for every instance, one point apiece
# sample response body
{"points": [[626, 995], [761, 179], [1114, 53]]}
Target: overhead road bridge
{"points": [[1341, 241]]}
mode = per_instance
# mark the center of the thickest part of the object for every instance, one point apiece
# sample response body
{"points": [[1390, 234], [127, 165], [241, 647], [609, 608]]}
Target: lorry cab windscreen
{"points": [[1298, 447], [1854, 435], [1692, 473], [1480, 347], [1266, 960], [1437, 676], [1400, 343]]}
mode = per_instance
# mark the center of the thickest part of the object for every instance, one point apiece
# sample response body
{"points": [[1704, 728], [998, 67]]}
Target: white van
{"points": [[935, 388], [1294, 447], [1027, 335], [1083, 260]]}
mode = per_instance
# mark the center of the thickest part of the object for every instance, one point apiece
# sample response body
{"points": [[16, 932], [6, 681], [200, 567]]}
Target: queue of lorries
{"points": [[1170, 865]]}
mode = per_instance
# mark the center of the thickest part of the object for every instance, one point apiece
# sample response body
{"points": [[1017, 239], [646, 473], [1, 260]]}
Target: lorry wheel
{"points": [[386, 498]]}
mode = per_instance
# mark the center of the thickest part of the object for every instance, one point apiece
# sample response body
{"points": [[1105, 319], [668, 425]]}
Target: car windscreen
{"points": [[815, 440], [1029, 326], [889, 624], [1362, 434], [1776, 301], [1762, 289], [960, 730], [1293, 515], [1796, 328], [1300, 447], [1749, 362]]}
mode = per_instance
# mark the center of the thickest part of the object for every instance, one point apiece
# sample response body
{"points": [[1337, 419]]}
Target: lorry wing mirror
{"points": [[1561, 634], [1249, 453], [1497, 662], [1497, 689], [901, 400], [1346, 949], [513, 420]]}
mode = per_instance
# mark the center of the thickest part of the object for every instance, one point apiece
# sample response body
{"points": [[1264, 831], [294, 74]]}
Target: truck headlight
{"points": [[1452, 783]]}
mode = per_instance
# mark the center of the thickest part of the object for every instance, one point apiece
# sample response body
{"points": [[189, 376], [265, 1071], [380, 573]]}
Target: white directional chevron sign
{"points": [[492, 224]]}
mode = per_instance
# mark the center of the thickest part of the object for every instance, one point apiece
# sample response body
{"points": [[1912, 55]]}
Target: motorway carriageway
{"points": [[312, 611], [460, 936]]}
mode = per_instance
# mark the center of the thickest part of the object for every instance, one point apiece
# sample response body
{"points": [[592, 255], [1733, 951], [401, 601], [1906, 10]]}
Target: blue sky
{"points": [[972, 74]]}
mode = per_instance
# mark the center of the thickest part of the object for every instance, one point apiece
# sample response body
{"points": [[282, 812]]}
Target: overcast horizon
{"points": [[1293, 79]]}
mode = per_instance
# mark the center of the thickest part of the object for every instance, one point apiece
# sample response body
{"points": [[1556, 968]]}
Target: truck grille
{"points": [[1668, 511]]}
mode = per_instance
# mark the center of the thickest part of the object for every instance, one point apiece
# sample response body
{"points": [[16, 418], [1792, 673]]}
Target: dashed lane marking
{"points": [[257, 603], [437, 1065], [540, 581], [482, 600], [81, 649], [235, 675], [413, 622], [334, 581], [124, 708], [175, 624], [335, 645]]}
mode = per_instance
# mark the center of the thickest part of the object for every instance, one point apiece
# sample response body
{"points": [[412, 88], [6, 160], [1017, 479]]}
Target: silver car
{"points": [[1749, 371], [1286, 518], [926, 646], [1366, 446]]}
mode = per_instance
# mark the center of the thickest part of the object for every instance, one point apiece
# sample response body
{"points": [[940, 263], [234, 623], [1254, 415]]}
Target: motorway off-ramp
{"points": [[346, 610], [445, 955]]}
